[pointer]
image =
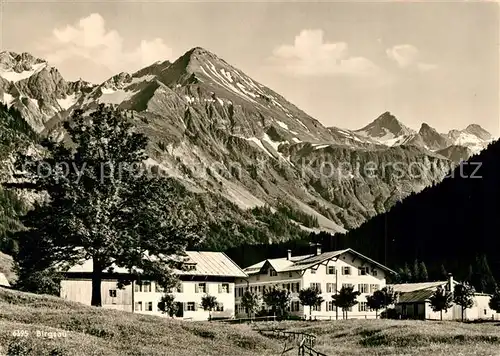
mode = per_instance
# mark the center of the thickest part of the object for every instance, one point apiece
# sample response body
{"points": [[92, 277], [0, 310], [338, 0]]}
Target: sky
{"points": [[343, 63]]}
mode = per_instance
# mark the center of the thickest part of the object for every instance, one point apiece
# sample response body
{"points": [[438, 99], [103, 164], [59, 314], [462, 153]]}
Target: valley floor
{"points": [[43, 325]]}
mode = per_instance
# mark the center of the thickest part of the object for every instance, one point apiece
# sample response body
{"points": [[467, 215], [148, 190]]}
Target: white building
{"points": [[210, 273], [413, 302], [328, 272], [3, 281]]}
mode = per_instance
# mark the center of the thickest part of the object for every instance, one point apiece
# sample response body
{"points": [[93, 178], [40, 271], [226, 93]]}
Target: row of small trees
{"points": [[463, 296], [278, 300]]}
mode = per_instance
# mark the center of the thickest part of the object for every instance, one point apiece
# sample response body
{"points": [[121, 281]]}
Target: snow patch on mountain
{"points": [[259, 144], [7, 99], [282, 124], [67, 102], [110, 96], [13, 76]]}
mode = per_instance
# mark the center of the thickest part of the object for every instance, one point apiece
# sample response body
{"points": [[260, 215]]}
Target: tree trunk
{"points": [[462, 313], [441, 315], [376, 313], [310, 312], [96, 285]]}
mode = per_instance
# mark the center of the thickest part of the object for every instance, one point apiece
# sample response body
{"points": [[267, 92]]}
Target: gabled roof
{"points": [[412, 287], [416, 296], [417, 292], [299, 263], [213, 264], [3, 281], [206, 264]]}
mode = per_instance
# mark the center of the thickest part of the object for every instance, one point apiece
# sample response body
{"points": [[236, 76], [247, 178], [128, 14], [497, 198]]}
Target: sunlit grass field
{"points": [[403, 337], [80, 330], [44, 325]]}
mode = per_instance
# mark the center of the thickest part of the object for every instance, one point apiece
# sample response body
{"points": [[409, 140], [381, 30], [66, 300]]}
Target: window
{"points": [[330, 270], [330, 306], [374, 288], [190, 267], [374, 272], [297, 286], [158, 288], [295, 306], [200, 288], [112, 293], [272, 273], [313, 270], [138, 306], [346, 270], [316, 286], [362, 271], [146, 286], [138, 287], [149, 306], [331, 288], [362, 307], [363, 288], [485, 311], [224, 288], [290, 274], [191, 306], [316, 307], [219, 307], [347, 285]]}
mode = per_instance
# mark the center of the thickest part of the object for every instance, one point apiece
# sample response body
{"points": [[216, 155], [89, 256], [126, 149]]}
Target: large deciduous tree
{"points": [[102, 204]]}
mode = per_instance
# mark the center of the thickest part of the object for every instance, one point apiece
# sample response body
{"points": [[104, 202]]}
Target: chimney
{"points": [[289, 255], [318, 249], [450, 282]]}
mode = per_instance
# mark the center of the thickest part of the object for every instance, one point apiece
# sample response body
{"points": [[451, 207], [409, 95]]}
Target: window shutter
{"points": [[220, 288], [359, 271], [229, 288], [196, 306], [196, 288]]}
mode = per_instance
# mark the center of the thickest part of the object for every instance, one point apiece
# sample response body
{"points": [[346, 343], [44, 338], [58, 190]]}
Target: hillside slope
{"points": [[73, 329]]}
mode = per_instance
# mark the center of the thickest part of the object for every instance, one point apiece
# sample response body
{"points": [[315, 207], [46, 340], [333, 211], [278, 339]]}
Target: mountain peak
{"points": [[478, 131], [15, 67], [385, 127], [426, 128]]}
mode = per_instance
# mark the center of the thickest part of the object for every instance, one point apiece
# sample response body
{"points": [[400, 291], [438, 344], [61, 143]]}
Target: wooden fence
{"points": [[302, 341]]}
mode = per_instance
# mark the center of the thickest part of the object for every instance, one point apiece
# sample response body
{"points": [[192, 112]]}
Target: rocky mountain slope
{"points": [[239, 144], [388, 131]]}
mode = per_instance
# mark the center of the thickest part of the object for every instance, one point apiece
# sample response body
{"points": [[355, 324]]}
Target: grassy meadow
{"points": [[43, 325]]}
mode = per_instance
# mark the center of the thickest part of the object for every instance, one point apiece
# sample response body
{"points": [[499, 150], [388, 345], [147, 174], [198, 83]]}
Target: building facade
{"points": [[211, 273], [328, 272], [413, 302]]}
